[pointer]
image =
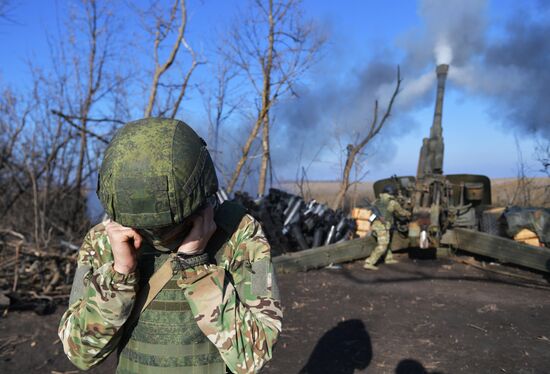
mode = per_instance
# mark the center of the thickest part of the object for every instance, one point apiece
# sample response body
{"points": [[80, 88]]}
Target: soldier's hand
{"points": [[124, 242], [203, 229]]}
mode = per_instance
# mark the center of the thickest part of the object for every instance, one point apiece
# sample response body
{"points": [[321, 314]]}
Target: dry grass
{"points": [[504, 191], [325, 191]]}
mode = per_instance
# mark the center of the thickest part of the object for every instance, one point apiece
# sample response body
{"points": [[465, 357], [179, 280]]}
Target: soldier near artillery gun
{"points": [[382, 220], [175, 282]]}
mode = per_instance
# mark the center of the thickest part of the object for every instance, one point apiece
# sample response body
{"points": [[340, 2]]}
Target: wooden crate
{"points": [[363, 225], [360, 213], [361, 216], [361, 233], [527, 237]]}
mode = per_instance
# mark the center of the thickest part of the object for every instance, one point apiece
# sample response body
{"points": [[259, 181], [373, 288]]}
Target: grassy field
{"points": [[505, 191]]}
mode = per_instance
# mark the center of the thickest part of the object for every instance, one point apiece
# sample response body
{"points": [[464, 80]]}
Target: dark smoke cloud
{"points": [[514, 74], [511, 74], [323, 120]]}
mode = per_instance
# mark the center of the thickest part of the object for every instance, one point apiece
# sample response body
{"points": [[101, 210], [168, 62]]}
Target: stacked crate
{"points": [[361, 217]]}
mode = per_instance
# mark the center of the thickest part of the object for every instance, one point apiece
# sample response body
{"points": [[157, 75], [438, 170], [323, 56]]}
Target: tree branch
{"points": [[69, 120]]}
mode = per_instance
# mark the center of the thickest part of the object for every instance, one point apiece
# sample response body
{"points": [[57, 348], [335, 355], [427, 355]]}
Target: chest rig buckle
{"points": [[182, 261]]}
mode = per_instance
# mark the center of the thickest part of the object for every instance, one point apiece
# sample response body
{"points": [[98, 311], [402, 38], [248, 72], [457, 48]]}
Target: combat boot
{"points": [[369, 266]]}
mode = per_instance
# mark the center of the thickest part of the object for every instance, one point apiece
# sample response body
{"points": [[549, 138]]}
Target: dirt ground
{"points": [[418, 316]]}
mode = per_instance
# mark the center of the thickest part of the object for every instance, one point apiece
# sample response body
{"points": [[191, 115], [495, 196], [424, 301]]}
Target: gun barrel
{"points": [[430, 160]]}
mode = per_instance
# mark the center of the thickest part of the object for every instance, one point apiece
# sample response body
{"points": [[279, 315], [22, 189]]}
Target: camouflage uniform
{"points": [[242, 317], [156, 173], [382, 230]]}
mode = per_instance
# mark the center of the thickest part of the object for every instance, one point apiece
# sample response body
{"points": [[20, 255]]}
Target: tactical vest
{"points": [[166, 338], [382, 204]]}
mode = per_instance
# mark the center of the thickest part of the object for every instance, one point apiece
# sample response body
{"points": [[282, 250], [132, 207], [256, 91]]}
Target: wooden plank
{"points": [[503, 249], [319, 257]]}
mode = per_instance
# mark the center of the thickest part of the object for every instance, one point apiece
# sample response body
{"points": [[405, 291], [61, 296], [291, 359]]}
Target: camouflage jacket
{"points": [[242, 316], [392, 206]]}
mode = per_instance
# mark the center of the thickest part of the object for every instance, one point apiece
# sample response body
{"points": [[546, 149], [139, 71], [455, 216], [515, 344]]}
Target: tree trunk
{"points": [[265, 157], [354, 149], [245, 151], [161, 69], [263, 117], [344, 185], [266, 102]]}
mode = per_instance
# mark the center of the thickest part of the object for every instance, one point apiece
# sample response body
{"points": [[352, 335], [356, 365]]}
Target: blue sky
{"points": [[479, 136]]}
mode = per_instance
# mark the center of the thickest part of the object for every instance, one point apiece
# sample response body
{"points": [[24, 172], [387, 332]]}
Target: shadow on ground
{"points": [[410, 366], [343, 349]]}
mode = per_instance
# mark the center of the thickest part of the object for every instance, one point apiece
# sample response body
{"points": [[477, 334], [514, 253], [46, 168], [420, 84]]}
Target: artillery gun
{"points": [[437, 201], [447, 210]]}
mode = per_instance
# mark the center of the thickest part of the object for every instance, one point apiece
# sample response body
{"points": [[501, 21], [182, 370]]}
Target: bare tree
{"points": [[163, 28], [53, 136], [90, 81], [218, 104], [542, 154], [272, 46], [55, 133], [524, 184], [353, 150]]}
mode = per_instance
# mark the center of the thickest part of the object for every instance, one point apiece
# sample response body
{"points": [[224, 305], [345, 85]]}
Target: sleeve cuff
{"points": [[114, 277]]}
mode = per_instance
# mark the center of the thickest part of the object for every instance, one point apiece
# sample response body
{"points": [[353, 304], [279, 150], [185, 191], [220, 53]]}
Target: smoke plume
{"points": [[510, 71], [513, 74], [507, 67]]}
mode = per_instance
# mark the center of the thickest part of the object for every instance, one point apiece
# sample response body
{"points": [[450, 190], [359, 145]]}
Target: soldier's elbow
{"points": [[82, 361]]}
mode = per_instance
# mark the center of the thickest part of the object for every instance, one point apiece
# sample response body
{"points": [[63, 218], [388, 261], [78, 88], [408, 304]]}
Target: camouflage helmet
{"points": [[156, 172]]}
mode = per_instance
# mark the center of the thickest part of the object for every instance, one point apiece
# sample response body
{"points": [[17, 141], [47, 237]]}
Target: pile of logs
{"points": [[294, 224], [33, 278]]}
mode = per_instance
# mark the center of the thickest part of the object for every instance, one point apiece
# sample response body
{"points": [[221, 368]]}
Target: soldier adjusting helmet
{"points": [[156, 172]]}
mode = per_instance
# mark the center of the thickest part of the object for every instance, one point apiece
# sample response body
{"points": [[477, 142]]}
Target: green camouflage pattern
{"points": [[394, 207], [156, 172], [89, 329], [389, 207], [234, 303], [175, 343], [382, 233], [242, 317]]}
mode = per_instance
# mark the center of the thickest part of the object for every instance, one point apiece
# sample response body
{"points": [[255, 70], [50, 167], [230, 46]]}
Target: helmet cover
{"points": [[156, 172]]}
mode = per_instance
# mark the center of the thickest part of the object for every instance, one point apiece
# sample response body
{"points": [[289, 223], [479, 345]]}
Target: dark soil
{"points": [[418, 316]]}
